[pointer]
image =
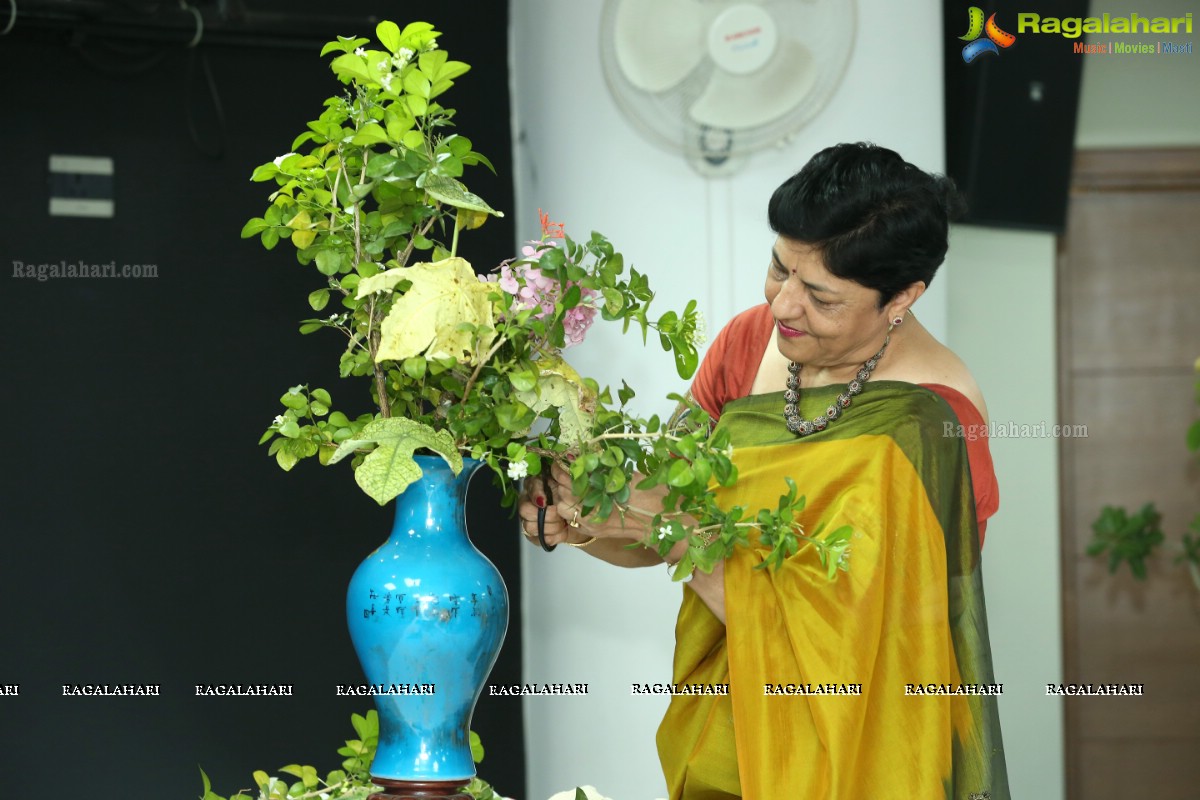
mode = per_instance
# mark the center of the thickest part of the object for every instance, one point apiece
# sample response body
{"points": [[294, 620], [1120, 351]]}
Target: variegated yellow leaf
{"points": [[427, 319]]}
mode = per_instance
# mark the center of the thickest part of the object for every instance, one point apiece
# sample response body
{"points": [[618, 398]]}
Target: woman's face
{"points": [[821, 320]]}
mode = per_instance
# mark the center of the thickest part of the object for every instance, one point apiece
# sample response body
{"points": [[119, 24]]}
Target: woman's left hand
{"points": [[710, 587]]}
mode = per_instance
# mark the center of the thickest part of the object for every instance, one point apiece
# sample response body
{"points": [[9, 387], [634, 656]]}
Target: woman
{"points": [[835, 383]]}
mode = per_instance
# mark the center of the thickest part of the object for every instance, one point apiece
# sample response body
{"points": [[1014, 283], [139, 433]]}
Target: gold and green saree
{"points": [[905, 625]]}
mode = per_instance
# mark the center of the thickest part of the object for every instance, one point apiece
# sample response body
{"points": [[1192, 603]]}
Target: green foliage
{"points": [[1193, 433], [1191, 544], [687, 459], [1126, 539], [373, 182], [1191, 551], [351, 782], [457, 365], [1133, 538], [308, 427]]}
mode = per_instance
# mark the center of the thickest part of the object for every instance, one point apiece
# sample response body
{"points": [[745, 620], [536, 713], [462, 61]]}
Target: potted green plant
{"points": [[1131, 538]]}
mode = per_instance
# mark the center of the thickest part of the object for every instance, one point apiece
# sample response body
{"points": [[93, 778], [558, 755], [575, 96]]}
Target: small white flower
{"points": [[663, 532], [279, 160], [700, 332], [333, 317], [432, 45], [386, 82], [358, 51], [278, 419], [517, 470], [404, 54]]}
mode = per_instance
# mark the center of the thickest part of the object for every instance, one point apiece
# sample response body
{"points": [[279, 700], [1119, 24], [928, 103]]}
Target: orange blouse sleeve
{"points": [[732, 360], [979, 455]]}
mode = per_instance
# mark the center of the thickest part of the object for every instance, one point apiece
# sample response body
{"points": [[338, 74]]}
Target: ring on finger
{"points": [[574, 521]]}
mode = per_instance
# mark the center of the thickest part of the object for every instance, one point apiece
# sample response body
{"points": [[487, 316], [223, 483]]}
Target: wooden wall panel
{"points": [[1138, 287], [1150, 769], [1129, 309]]}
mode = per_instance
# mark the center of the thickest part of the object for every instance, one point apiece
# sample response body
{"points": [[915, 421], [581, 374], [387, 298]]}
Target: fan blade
{"points": [[658, 42], [739, 102]]}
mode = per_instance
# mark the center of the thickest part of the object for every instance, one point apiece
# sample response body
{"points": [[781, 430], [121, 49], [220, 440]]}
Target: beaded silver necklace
{"points": [[791, 396]]}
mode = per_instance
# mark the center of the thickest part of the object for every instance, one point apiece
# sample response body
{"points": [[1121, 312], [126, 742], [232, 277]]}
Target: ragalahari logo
{"points": [[976, 27]]}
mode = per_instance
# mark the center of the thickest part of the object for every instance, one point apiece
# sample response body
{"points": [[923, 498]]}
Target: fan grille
{"points": [[824, 28]]}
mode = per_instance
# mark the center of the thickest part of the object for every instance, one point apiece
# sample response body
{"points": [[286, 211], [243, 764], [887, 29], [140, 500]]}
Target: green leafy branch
{"points": [[684, 458], [596, 266], [378, 184], [308, 427]]}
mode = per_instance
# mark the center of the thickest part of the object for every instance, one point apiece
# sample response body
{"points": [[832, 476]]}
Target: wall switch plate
{"points": [[81, 186]]}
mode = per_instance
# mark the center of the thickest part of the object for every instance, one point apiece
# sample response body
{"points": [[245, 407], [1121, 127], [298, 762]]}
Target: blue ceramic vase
{"points": [[427, 615]]}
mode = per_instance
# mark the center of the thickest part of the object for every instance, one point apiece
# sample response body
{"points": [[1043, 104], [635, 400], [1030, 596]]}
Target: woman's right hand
{"points": [[633, 525], [533, 501], [565, 523]]}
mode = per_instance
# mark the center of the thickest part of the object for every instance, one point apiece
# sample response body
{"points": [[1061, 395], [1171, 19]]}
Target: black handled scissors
{"points": [[542, 510]]}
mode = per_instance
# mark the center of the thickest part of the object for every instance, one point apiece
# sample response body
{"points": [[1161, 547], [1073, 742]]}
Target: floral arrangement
{"points": [[466, 365]]}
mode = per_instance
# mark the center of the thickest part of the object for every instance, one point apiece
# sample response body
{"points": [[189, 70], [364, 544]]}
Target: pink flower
{"points": [[530, 289], [508, 281], [578, 319]]}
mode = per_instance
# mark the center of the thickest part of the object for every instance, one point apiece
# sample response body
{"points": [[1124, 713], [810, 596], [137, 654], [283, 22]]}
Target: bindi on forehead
{"points": [[816, 287]]}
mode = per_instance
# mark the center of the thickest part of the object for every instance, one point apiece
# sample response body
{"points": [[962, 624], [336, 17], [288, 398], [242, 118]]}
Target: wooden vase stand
{"points": [[419, 790]]}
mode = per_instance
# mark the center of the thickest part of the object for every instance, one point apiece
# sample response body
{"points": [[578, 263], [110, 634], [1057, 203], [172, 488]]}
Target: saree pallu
{"points": [[905, 624]]}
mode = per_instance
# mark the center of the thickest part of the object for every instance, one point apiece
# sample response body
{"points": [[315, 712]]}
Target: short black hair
{"points": [[876, 219]]}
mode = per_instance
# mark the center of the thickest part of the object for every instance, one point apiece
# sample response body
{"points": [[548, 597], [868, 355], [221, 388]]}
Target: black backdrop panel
{"points": [[1010, 118], [146, 538]]}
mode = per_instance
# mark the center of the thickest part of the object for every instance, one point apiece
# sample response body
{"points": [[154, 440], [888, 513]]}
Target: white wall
{"points": [[581, 161], [1002, 324]]}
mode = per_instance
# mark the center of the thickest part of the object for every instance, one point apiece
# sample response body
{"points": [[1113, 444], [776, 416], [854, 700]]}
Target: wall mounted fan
{"points": [[719, 79]]}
